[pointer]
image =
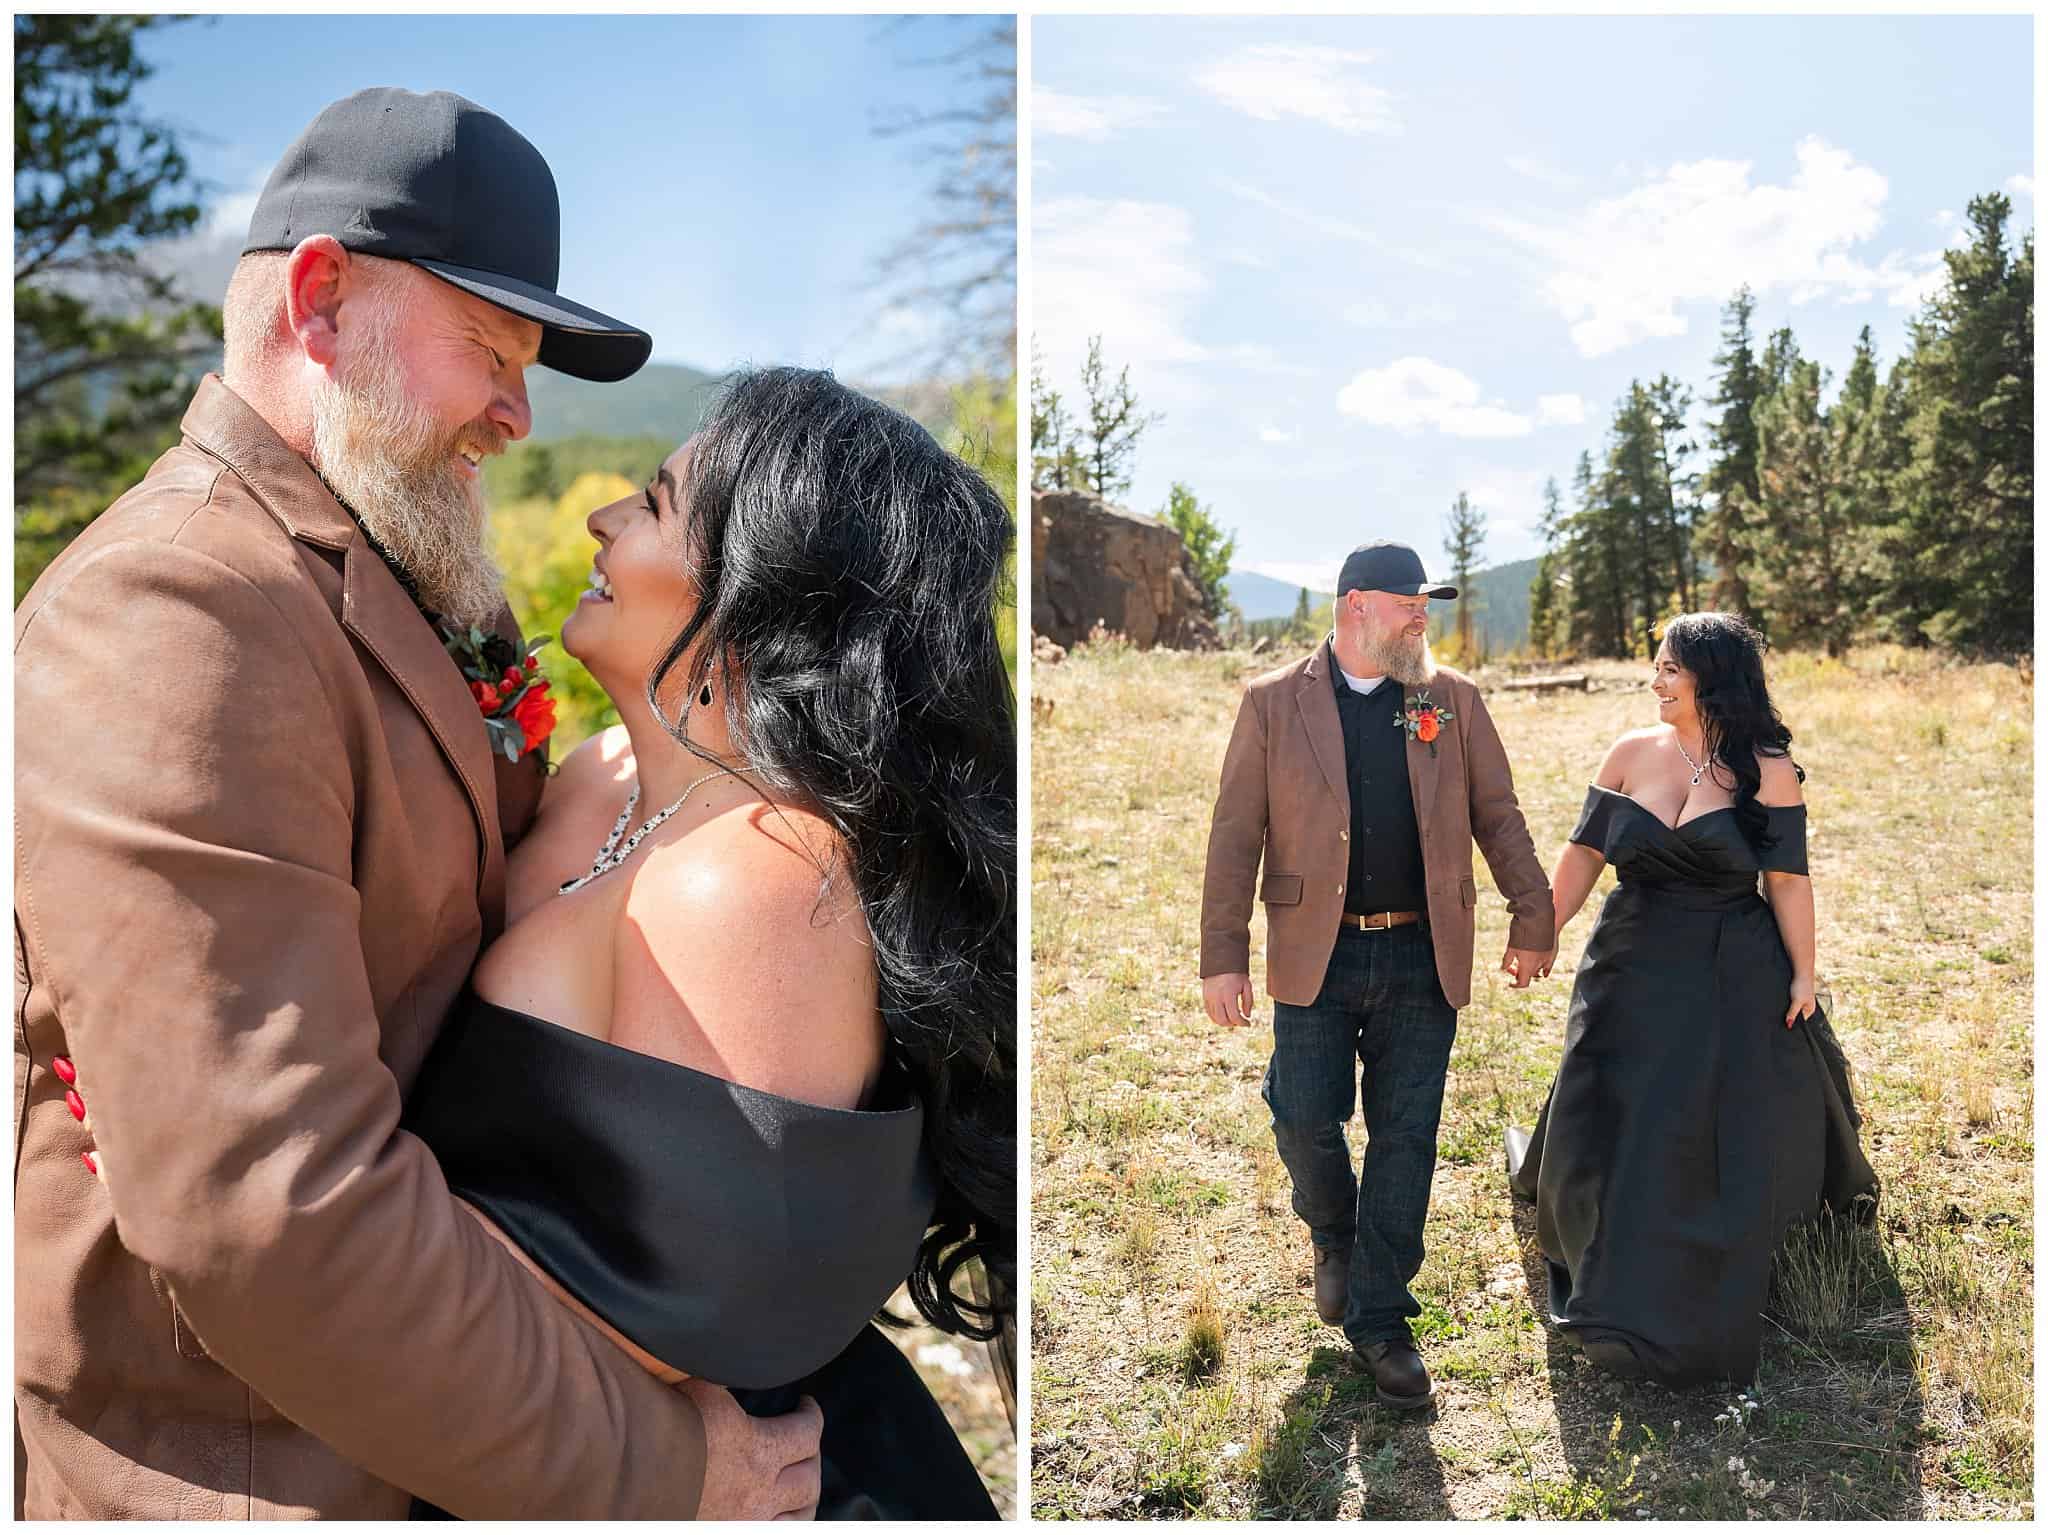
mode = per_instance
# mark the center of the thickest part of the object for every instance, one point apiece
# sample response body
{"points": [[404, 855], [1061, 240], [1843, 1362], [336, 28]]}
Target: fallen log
{"points": [[1578, 681]]}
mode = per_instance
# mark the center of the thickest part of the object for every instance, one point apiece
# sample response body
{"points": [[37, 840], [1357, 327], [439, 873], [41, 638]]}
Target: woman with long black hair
{"points": [[743, 1060], [1702, 1107]]}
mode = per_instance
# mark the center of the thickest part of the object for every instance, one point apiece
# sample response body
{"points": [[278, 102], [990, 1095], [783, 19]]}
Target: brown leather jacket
{"points": [[259, 840], [1285, 793]]}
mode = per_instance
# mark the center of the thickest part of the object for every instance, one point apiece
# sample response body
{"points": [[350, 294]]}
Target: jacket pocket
{"points": [[1281, 890], [1468, 893]]}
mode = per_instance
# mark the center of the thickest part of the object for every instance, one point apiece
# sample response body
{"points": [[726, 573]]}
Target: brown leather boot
{"points": [[1398, 1373], [1333, 1278]]}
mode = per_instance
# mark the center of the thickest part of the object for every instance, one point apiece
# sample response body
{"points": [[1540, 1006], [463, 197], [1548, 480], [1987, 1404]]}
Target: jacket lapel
{"points": [[374, 607], [1318, 704], [376, 610], [1422, 762]]}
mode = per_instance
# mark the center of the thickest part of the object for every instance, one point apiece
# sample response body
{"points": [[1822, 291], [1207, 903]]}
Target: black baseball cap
{"points": [[438, 181], [1388, 567]]}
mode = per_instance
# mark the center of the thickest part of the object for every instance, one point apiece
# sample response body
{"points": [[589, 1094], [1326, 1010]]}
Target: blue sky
{"points": [[721, 184], [1365, 263]]}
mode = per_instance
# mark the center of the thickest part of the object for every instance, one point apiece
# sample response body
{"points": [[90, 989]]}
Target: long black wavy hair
{"points": [[1726, 659], [848, 568]]}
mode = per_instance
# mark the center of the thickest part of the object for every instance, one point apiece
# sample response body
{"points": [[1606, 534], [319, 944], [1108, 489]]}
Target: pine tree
{"points": [[1207, 546], [1669, 400], [1730, 481], [1796, 569], [1635, 489], [1306, 626], [1464, 534], [1055, 455], [1966, 496], [1543, 594], [106, 349], [1592, 561], [1114, 425]]}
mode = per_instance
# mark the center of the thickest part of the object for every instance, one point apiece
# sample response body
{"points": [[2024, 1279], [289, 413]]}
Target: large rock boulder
{"points": [[1096, 563]]}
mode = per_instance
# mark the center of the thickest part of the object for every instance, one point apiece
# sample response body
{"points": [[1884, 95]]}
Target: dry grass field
{"points": [[1178, 1365]]}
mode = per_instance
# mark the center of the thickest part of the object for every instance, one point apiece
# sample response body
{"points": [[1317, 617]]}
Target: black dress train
{"points": [[1687, 1128], [739, 1236]]}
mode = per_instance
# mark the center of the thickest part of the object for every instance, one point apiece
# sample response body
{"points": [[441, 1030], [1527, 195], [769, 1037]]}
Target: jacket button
{"points": [[1344, 835], [66, 1072]]}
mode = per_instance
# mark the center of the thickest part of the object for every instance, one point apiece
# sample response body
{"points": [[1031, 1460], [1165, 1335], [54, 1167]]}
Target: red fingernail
{"points": [[66, 1072], [86, 1158], [74, 1103]]}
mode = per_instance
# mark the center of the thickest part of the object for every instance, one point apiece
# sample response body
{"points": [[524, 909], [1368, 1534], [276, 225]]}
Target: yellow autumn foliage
{"points": [[544, 548]]}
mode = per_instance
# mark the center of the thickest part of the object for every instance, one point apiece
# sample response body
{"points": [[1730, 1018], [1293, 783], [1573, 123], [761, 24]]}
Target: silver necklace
{"points": [[1697, 767], [611, 855]]}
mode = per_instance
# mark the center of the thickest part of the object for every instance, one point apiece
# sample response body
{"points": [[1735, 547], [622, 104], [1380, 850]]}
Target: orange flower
{"points": [[535, 713], [486, 697], [1426, 726]]}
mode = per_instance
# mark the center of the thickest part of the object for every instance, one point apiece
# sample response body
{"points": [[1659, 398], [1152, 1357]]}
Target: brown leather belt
{"points": [[1373, 921]]}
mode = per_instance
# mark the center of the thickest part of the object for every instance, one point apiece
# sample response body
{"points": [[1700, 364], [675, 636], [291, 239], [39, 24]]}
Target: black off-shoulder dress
{"points": [[739, 1236], [1687, 1128]]}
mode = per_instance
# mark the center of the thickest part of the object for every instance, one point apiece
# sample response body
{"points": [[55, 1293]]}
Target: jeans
{"points": [[1381, 1005]]}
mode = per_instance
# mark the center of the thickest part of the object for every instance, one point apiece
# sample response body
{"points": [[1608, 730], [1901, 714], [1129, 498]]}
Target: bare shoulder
{"points": [[737, 954], [1618, 766], [1778, 781]]}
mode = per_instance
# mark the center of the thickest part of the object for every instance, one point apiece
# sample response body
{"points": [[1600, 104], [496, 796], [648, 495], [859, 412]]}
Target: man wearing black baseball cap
{"points": [[261, 839], [1363, 775]]}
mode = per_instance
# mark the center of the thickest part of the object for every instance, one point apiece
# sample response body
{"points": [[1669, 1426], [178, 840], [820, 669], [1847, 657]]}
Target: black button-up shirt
{"points": [[1386, 847]]}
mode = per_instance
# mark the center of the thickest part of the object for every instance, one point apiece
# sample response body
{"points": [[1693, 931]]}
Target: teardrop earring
{"points": [[704, 696]]}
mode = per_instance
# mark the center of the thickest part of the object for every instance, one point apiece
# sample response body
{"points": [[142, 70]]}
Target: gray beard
{"points": [[387, 461], [1407, 661]]}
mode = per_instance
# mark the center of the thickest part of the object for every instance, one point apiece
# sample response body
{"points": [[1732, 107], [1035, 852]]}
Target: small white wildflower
{"points": [[1735, 1463], [1674, 1425], [946, 1357], [1232, 1451]]}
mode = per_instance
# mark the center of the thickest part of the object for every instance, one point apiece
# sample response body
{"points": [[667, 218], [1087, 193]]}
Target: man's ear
{"points": [[317, 276]]}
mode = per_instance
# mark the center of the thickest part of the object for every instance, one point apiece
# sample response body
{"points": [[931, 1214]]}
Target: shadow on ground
{"points": [[1832, 1426], [1336, 1445]]}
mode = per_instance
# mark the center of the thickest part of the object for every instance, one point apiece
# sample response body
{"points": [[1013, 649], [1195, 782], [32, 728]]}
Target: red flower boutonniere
{"points": [[1424, 719], [508, 687]]}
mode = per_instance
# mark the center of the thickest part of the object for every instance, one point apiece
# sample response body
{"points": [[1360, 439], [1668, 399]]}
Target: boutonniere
{"points": [[1424, 719], [508, 687]]}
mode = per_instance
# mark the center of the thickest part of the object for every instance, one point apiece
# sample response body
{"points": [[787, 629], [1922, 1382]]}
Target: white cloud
{"points": [[1276, 80], [1094, 118], [1413, 393], [1376, 314], [1322, 223], [2020, 186], [202, 262], [1274, 434], [1623, 269], [1509, 497], [1258, 357], [1122, 270], [1543, 171], [1560, 409]]}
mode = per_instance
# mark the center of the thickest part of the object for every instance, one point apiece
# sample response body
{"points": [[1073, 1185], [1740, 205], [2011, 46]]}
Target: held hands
{"points": [[1227, 999], [1802, 1000], [1527, 965], [757, 1468]]}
